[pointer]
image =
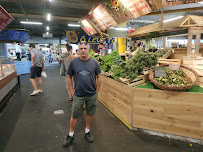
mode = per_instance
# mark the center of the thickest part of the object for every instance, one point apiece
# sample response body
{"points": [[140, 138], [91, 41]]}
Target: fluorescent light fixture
{"points": [[36, 23], [47, 33], [50, 0], [201, 2], [47, 28], [172, 19], [48, 16], [141, 21], [74, 25], [121, 29]]}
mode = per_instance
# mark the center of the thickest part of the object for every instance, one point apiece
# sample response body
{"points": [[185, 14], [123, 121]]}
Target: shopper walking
{"points": [[36, 69], [85, 71]]}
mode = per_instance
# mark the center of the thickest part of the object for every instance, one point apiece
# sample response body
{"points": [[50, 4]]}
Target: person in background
{"points": [[50, 57], [66, 59], [87, 78], [77, 54], [29, 55], [102, 49], [36, 69]]}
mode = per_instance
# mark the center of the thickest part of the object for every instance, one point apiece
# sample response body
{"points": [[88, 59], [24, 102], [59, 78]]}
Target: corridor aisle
{"points": [[28, 123]]}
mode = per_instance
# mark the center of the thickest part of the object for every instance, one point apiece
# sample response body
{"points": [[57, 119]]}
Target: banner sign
{"points": [[14, 35], [102, 18], [75, 39], [5, 18], [88, 27]]}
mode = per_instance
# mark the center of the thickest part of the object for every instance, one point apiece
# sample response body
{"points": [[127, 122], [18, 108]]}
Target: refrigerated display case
{"points": [[9, 82]]}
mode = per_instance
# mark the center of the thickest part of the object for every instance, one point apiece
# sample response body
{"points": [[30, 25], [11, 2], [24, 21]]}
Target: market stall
{"points": [[139, 103]]}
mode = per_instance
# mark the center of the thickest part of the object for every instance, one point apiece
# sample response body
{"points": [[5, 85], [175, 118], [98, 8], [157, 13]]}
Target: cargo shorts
{"points": [[78, 102]]}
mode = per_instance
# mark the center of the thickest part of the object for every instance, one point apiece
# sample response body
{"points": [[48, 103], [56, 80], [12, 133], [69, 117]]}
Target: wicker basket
{"points": [[188, 72]]}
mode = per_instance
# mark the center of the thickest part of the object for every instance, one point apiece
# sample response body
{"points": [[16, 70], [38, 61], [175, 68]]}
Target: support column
{"points": [[121, 45], [189, 43], [164, 42], [60, 51], [3, 50], [197, 44], [115, 44]]}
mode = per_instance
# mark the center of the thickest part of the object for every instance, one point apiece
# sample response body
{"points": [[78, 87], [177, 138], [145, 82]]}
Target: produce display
{"points": [[160, 53], [133, 67], [173, 78], [106, 62], [91, 52]]}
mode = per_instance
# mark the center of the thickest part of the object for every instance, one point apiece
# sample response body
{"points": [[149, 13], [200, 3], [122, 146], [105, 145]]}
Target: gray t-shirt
{"points": [[38, 57], [84, 73]]}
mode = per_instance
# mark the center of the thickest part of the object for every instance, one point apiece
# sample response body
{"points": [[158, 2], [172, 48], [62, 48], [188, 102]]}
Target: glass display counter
{"points": [[9, 82]]}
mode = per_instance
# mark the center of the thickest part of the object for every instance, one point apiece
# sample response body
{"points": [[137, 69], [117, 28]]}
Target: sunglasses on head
{"points": [[84, 42]]}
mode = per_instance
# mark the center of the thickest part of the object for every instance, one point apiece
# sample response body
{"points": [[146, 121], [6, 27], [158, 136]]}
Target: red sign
{"points": [[5, 18], [88, 28]]}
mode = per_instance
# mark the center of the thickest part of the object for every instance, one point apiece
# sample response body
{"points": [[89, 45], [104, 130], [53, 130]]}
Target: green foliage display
{"points": [[135, 65], [107, 61], [173, 78], [160, 53], [91, 52]]}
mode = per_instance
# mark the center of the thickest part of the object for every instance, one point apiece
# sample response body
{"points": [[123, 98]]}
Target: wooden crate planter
{"points": [[146, 70], [116, 96], [170, 61], [177, 113], [139, 80], [168, 54]]}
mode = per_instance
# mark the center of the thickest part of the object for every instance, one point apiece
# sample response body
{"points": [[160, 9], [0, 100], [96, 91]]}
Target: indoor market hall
{"points": [[101, 75], [28, 124]]}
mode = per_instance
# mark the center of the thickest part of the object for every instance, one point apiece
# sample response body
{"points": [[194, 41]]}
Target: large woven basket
{"points": [[190, 73]]}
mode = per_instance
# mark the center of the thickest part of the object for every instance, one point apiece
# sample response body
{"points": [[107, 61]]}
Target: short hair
{"points": [[101, 43], [32, 45], [83, 42], [76, 50], [68, 47]]}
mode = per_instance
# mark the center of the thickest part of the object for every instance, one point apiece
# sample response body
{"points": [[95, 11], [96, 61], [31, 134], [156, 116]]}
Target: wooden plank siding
{"points": [[177, 113]]}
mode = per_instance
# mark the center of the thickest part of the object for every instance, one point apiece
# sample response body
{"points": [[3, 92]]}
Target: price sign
{"points": [[159, 71], [175, 67], [5, 18]]}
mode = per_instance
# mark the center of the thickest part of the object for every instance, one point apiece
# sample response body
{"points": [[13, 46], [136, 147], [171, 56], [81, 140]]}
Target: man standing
{"points": [[87, 77], [102, 49], [36, 69]]}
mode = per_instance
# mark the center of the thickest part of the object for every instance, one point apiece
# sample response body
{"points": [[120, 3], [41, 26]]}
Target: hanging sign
{"points": [[102, 18], [72, 37], [5, 18], [14, 35], [88, 28], [124, 10]]}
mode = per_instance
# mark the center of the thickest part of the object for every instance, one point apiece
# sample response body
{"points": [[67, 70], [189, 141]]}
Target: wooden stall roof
{"points": [[185, 22]]}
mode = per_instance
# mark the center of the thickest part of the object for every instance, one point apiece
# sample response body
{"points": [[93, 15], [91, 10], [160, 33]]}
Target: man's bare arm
{"points": [[98, 82], [33, 59], [70, 84]]}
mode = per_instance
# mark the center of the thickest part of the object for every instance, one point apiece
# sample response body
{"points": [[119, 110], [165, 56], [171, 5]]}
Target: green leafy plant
{"points": [[107, 61], [135, 65], [91, 52], [173, 78]]}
